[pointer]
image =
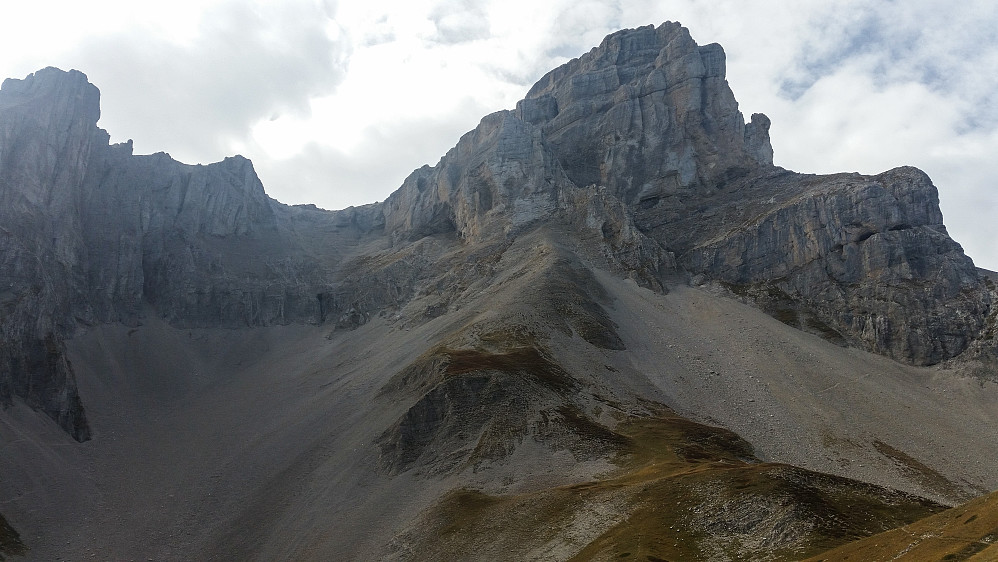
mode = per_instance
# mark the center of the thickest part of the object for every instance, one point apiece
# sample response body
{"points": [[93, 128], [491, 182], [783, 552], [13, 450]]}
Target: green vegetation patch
{"points": [[442, 362], [750, 512], [477, 406], [673, 439], [574, 295]]}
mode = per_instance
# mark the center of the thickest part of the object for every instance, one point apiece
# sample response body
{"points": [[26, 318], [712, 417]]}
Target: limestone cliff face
{"points": [[497, 179], [503, 178], [90, 234], [865, 257], [646, 113], [47, 139], [636, 152], [201, 244], [864, 260], [648, 121]]}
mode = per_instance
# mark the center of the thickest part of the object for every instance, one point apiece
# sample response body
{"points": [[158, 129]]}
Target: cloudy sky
{"points": [[336, 102]]}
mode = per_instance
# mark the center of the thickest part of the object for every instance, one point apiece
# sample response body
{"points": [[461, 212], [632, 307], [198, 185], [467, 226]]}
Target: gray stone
{"points": [[636, 151], [645, 114], [90, 233]]}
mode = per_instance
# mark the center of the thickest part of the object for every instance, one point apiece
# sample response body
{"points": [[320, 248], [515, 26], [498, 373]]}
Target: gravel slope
{"points": [[261, 443]]}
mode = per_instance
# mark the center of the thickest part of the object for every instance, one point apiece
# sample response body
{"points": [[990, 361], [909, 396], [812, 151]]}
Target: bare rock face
{"points": [[605, 222], [637, 149], [47, 138], [646, 113], [90, 233], [862, 260], [757, 143], [499, 178], [865, 257]]}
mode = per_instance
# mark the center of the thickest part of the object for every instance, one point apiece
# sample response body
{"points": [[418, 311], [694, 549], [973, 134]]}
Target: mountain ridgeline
{"points": [[639, 140], [532, 251]]}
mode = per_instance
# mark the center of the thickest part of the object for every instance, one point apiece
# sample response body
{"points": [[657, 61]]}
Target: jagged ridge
{"points": [[646, 120]]}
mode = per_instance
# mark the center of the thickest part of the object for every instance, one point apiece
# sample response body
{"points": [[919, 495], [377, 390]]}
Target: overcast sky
{"points": [[336, 102]]}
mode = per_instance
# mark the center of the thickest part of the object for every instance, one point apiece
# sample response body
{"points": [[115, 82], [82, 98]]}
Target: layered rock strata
{"points": [[90, 233], [637, 148]]}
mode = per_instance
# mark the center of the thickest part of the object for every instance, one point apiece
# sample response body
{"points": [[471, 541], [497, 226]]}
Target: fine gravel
{"points": [[804, 401]]}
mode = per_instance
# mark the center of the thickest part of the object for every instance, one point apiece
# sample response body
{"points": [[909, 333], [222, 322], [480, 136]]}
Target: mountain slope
{"points": [[601, 302], [967, 532], [294, 442]]}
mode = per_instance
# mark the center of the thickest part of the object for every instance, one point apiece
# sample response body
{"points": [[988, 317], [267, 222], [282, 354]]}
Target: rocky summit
{"points": [[603, 326]]}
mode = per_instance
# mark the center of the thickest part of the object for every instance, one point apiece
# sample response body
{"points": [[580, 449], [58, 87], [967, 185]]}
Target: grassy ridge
{"points": [[966, 532], [684, 491]]}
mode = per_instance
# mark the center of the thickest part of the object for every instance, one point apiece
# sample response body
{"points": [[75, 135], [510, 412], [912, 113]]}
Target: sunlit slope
{"points": [[967, 532], [684, 491]]}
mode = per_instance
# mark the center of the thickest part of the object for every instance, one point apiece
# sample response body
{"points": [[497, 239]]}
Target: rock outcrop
{"points": [[647, 114], [499, 178], [502, 179], [647, 119], [47, 139], [485, 358], [867, 258], [637, 148], [90, 233]]}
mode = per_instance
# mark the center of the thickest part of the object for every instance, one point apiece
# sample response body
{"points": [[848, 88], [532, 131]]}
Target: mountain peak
{"points": [[487, 330], [58, 92], [646, 111], [644, 114]]}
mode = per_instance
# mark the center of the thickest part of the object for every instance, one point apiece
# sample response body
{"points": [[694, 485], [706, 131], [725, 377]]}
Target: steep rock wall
{"points": [[90, 233], [637, 149], [869, 256], [646, 113]]}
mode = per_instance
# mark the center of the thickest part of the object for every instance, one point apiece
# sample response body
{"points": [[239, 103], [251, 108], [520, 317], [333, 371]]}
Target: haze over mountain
{"points": [[603, 325]]}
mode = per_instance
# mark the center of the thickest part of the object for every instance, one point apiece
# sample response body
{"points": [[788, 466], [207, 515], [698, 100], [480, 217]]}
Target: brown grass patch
{"points": [[684, 491], [966, 532]]}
